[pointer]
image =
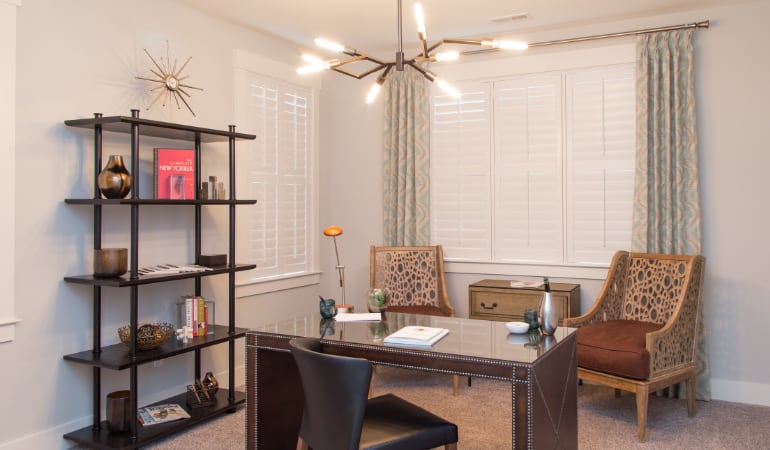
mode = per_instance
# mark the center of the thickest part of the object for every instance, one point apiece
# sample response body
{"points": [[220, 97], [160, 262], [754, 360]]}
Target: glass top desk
{"points": [[542, 371]]}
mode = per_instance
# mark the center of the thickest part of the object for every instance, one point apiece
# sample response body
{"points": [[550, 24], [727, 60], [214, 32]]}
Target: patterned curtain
{"points": [[666, 214], [406, 160]]}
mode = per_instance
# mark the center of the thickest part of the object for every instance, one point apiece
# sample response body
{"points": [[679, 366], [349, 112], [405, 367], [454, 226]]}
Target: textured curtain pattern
{"points": [[406, 160], [666, 214]]}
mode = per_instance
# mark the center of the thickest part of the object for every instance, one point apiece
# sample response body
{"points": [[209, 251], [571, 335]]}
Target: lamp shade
{"points": [[333, 231]]}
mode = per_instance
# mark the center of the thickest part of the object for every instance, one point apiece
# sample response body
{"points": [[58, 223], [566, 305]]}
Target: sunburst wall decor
{"points": [[170, 87]]}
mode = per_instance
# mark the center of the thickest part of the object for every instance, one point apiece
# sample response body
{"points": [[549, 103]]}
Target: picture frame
{"points": [[174, 173]]}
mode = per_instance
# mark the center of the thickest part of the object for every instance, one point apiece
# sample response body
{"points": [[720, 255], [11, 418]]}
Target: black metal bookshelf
{"points": [[128, 357]]}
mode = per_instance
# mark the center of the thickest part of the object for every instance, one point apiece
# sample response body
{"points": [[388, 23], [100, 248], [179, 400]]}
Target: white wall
{"points": [[81, 56]]}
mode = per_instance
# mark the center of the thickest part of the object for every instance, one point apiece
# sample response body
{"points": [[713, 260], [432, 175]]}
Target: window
{"points": [[535, 169], [277, 169]]}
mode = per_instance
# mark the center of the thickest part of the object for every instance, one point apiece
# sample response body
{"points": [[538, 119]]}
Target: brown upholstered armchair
{"points": [[641, 334], [414, 277]]}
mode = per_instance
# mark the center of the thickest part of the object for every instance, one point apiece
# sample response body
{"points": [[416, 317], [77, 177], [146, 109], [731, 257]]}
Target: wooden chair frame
{"points": [[431, 275]]}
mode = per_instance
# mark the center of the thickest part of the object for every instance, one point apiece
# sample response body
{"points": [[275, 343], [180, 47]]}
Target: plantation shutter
{"points": [[600, 146], [277, 173], [461, 173], [527, 170]]}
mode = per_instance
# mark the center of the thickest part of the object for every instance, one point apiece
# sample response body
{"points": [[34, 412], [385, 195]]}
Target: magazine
{"points": [[174, 173], [153, 415], [416, 336]]}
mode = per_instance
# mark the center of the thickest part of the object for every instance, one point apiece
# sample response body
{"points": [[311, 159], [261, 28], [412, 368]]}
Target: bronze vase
{"points": [[114, 180]]}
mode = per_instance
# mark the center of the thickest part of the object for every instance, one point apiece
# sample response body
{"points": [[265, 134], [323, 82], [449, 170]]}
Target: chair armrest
{"points": [[609, 303]]}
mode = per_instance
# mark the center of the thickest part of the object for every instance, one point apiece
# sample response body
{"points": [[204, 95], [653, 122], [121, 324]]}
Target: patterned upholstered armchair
{"points": [[414, 277], [641, 334]]}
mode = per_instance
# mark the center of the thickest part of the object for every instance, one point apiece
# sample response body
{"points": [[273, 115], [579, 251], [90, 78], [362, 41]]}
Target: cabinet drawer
{"points": [[492, 300]]}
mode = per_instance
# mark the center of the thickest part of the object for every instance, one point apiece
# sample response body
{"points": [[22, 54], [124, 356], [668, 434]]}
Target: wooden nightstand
{"points": [[497, 300]]}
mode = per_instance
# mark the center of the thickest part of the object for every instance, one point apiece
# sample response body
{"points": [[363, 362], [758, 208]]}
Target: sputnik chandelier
{"points": [[427, 54]]}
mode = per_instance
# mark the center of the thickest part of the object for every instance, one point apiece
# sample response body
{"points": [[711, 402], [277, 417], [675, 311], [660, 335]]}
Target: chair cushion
{"points": [[392, 423], [616, 347]]}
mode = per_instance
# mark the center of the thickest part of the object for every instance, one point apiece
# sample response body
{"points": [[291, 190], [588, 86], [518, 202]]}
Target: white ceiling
{"points": [[371, 25]]}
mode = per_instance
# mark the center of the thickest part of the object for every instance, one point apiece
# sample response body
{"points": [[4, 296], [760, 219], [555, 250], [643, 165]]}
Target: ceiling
{"points": [[371, 25]]}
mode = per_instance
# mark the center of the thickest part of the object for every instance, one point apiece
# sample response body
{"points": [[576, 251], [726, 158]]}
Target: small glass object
{"points": [[118, 413], [377, 300], [327, 307], [530, 316]]}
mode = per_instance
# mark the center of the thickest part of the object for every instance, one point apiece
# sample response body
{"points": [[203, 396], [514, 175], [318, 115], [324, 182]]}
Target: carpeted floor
{"points": [[483, 415]]}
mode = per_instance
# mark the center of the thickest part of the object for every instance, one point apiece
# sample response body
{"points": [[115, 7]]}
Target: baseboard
{"points": [[740, 392]]}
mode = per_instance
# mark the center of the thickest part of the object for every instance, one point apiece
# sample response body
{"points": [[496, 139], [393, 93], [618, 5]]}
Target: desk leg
{"points": [[274, 400]]}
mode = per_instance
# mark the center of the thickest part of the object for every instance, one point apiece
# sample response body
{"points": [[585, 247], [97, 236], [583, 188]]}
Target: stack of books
{"points": [[416, 336]]}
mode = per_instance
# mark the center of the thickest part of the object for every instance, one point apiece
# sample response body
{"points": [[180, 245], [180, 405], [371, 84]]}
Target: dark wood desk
{"points": [[542, 372]]}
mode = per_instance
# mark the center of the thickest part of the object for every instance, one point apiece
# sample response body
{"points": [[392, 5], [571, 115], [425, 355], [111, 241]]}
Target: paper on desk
{"points": [[358, 317]]}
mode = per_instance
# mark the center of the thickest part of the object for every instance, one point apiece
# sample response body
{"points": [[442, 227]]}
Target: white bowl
{"points": [[517, 327]]}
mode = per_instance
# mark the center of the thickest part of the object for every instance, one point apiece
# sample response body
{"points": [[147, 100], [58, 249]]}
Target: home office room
{"points": [[500, 193]]}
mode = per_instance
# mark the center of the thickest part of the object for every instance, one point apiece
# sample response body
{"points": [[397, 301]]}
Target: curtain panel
{"points": [[406, 163], [666, 212]]}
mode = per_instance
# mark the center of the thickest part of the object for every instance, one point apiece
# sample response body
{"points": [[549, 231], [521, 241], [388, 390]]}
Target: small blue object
{"points": [[327, 307]]}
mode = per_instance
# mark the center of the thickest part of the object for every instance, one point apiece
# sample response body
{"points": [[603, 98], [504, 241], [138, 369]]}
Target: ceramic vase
{"points": [[114, 180], [548, 314]]}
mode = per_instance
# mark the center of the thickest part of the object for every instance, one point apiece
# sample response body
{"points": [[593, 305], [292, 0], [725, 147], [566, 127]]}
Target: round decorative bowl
{"points": [[517, 327], [148, 337]]}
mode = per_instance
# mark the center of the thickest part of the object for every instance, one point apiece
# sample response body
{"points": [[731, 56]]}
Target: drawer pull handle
{"points": [[494, 305]]}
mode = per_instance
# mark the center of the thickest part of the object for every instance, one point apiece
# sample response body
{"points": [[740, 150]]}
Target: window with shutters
{"points": [[535, 169], [278, 170]]}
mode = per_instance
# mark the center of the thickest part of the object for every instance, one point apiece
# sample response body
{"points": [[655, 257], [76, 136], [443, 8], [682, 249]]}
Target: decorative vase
{"points": [[548, 314], [327, 308], [114, 180]]}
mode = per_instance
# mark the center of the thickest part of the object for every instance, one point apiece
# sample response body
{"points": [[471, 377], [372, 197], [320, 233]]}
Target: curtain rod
{"points": [[702, 24]]}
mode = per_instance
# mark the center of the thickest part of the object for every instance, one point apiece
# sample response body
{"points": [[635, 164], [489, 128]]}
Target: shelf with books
{"points": [[118, 357], [126, 281], [100, 437]]}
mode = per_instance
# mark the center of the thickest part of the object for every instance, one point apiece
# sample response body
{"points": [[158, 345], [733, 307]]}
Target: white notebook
{"points": [[416, 336]]}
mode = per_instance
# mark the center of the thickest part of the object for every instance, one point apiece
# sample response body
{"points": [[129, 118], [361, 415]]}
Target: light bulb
{"points": [[315, 65], [329, 45], [375, 89], [310, 59], [420, 17], [310, 68], [506, 45], [447, 88], [447, 56]]}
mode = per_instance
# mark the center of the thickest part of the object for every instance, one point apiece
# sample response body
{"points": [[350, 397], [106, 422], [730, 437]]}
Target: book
{"points": [[526, 284], [153, 415], [174, 170], [416, 336]]}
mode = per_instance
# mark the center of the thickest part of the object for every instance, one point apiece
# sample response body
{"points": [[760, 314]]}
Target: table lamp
{"points": [[335, 231]]}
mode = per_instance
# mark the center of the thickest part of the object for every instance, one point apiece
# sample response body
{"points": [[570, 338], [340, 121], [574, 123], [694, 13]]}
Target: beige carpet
{"points": [[483, 415]]}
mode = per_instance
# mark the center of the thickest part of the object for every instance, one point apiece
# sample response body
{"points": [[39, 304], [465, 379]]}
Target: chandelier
{"points": [[427, 54]]}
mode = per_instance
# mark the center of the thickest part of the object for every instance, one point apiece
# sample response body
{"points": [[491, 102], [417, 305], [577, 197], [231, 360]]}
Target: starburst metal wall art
{"points": [[170, 87]]}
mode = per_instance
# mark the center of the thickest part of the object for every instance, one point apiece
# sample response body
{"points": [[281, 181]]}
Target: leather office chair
{"points": [[338, 414], [414, 278], [641, 334]]}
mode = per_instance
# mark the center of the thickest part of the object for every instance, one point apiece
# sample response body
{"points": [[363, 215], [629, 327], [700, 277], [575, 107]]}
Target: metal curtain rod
{"points": [[702, 24]]}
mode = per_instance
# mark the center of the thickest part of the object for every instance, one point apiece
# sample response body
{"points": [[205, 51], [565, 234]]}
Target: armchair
{"points": [[641, 333]]}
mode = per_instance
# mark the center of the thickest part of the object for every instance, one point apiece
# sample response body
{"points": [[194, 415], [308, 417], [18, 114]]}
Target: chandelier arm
{"points": [[419, 69]]}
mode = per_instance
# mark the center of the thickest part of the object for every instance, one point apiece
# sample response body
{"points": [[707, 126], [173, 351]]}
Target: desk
{"points": [[542, 372]]}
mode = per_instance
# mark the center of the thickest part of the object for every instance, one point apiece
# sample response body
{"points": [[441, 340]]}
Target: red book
{"points": [[174, 173]]}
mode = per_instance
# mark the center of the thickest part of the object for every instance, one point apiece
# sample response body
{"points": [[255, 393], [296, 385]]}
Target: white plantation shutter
{"points": [[600, 145], [460, 173], [277, 173], [535, 169], [527, 155]]}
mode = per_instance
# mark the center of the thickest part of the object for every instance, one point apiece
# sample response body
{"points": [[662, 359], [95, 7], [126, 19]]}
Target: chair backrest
{"points": [[659, 286], [336, 391], [414, 276]]}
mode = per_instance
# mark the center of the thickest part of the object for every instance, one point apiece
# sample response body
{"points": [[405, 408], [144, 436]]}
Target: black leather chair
{"points": [[339, 415]]}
